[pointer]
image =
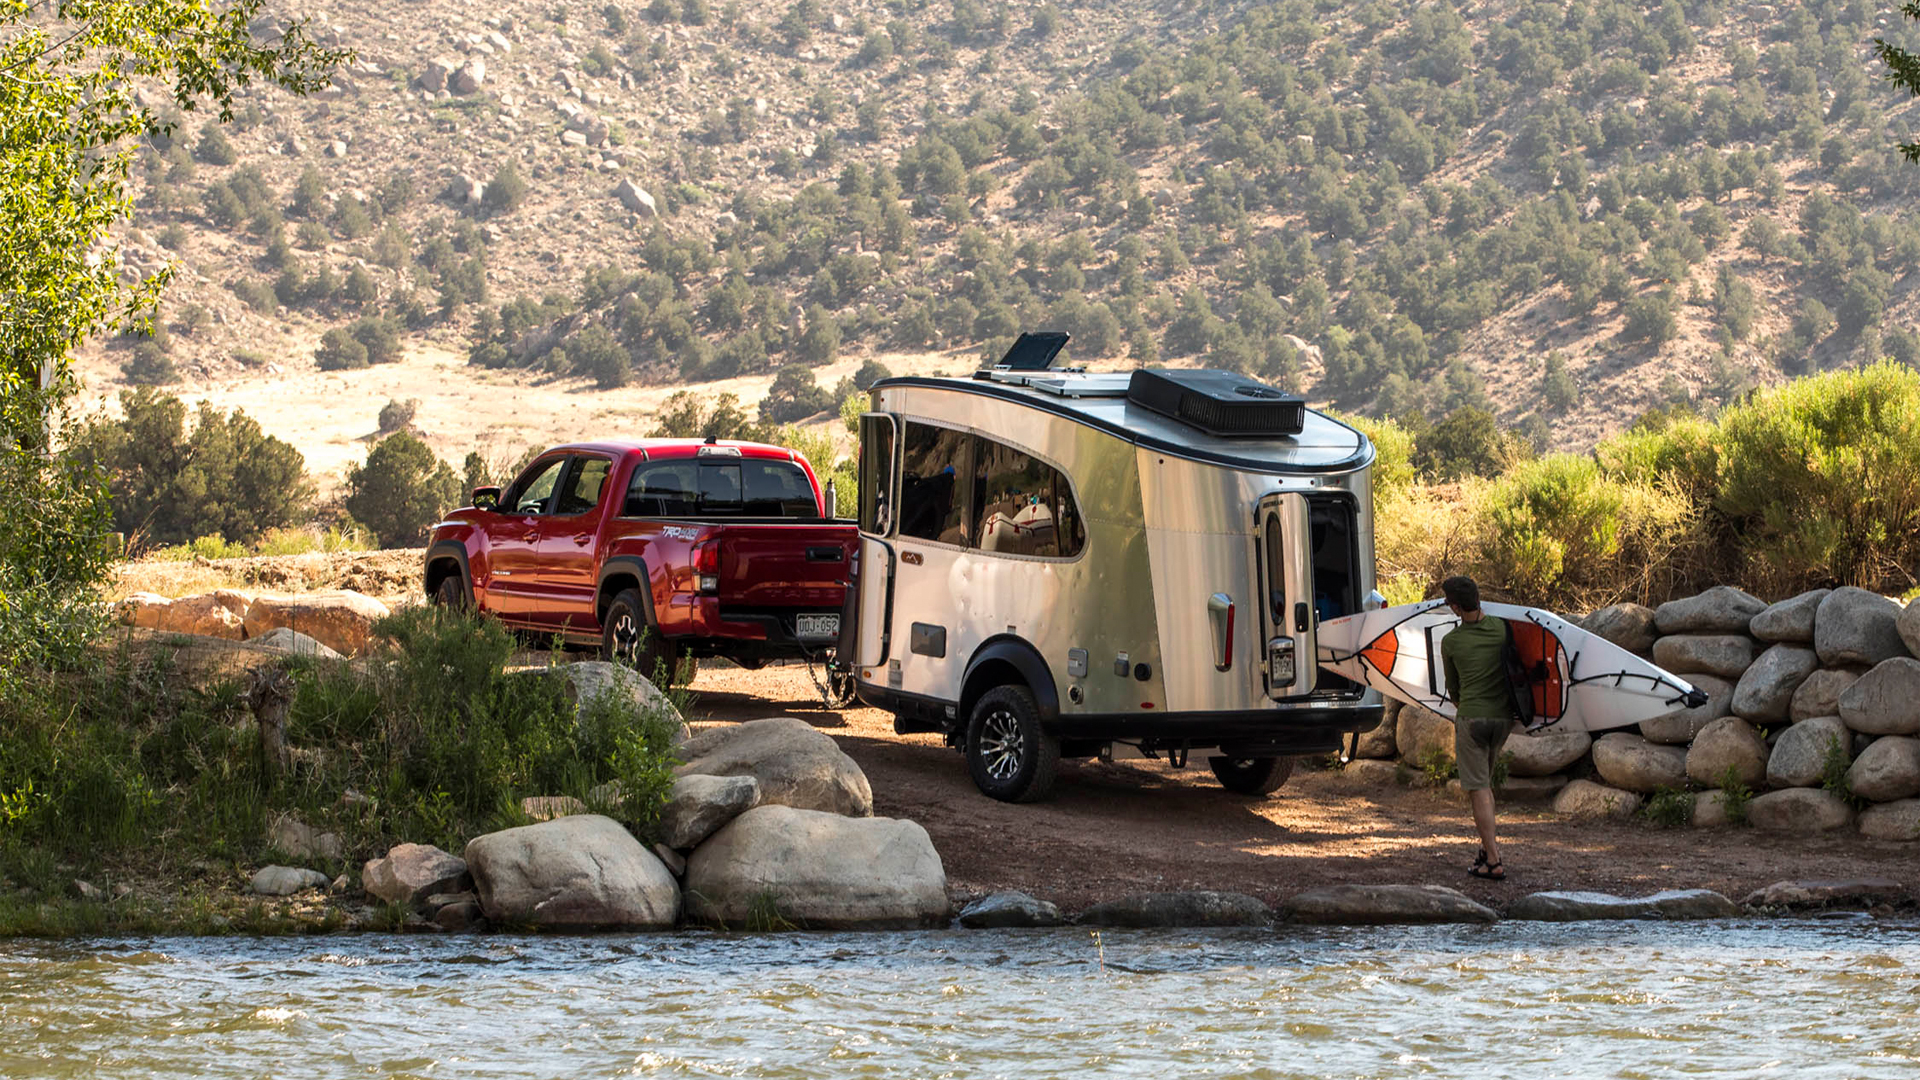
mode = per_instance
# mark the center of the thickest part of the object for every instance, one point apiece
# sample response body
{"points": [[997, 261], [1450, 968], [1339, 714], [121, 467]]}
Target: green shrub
{"points": [[1735, 795], [1669, 808], [340, 351], [1834, 765], [400, 490], [1818, 480]]}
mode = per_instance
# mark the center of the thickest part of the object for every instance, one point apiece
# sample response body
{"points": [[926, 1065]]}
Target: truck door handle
{"points": [[1300, 617], [826, 554], [583, 541]]}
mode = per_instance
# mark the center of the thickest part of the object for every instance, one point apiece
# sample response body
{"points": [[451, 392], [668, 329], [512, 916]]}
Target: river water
{"points": [[1797, 999]]}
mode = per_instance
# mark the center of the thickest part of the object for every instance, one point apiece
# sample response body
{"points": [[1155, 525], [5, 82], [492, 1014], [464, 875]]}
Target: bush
{"points": [[1817, 478], [820, 341], [379, 335], [395, 415], [213, 147], [401, 490], [340, 351], [1468, 442], [150, 366], [794, 396], [507, 190], [596, 352], [169, 485]]}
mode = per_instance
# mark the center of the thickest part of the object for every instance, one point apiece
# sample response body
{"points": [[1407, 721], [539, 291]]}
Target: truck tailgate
{"points": [[785, 566]]}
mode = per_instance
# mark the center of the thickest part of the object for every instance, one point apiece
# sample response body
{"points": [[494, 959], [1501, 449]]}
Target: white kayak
{"points": [[1580, 682]]}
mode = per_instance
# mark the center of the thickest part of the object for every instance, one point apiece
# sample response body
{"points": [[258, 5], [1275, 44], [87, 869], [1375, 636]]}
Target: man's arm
{"points": [[1453, 672]]}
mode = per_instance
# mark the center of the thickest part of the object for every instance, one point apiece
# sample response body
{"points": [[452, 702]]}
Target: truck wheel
{"points": [[451, 593], [629, 637], [1251, 776], [1009, 756]]}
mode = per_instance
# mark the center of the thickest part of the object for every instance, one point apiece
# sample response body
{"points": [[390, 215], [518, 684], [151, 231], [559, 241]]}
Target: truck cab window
{"points": [[934, 475], [583, 487], [532, 491], [737, 488]]}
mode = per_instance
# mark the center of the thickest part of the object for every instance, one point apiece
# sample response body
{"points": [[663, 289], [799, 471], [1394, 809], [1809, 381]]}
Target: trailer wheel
{"points": [[1251, 776], [629, 637], [1010, 758]]}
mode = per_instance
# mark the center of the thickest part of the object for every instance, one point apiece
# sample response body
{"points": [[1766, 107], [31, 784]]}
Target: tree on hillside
{"points": [[401, 490], [794, 396], [171, 483], [1467, 443]]}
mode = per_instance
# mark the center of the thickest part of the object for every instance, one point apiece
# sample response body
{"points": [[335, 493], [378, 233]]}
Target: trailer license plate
{"points": [[818, 626]]}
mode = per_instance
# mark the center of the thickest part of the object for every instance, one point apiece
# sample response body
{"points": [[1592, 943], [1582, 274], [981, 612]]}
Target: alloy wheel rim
{"points": [[1002, 744]]}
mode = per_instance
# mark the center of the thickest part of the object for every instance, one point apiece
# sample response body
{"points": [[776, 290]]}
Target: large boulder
{"points": [[1886, 700], [1800, 811], [635, 198], [1678, 727], [775, 864], [1887, 770], [1897, 820], [1178, 909], [1009, 909], [471, 76], [1710, 810], [1806, 894], [1546, 752], [1722, 609], [1379, 743], [1586, 799], [796, 765], [340, 619], [1820, 694], [1908, 627], [1855, 626], [1727, 743], [295, 838], [588, 680], [1799, 757], [1765, 692], [286, 880], [1583, 906], [576, 872], [700, 805], [1629, 626], [221, 613], [1789, 620], [412, 872], [293, 643], [142, 609], [434, 76], [1421, 734], [1725, 655], [1381, 905], [1631, 763]]}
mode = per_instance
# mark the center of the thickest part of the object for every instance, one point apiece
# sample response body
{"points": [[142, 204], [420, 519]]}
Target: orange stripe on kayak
{"points": [[1383, 651]]}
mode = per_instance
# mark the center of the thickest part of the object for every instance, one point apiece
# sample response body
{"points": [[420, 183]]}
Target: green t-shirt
{"points": [[1476, 674]]}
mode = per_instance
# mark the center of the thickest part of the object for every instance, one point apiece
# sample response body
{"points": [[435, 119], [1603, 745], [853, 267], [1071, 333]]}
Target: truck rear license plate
{"points": [[817, 626]]}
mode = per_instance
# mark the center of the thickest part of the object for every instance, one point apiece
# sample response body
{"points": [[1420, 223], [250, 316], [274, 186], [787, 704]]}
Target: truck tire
{"points": [[451, 593], [628, 636], [1251, 776], [1010, 758]]}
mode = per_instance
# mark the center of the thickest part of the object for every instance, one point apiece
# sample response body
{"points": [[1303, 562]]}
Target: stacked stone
{"points": [[1789, 686]]}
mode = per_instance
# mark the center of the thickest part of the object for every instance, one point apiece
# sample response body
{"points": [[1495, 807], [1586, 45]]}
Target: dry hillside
{"points": [[1430, 199]]}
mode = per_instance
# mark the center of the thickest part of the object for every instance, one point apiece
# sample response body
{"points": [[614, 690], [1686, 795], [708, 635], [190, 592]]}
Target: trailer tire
{"points": [[1259, 776], [628, 636], [1010, 758]]}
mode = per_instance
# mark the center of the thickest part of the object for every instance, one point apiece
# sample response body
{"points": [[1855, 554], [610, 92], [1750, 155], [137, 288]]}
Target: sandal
{"points": [[1491, 871]]}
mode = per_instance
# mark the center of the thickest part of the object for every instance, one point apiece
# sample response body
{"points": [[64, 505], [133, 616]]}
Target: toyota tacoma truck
{"points": [[657, 551]]}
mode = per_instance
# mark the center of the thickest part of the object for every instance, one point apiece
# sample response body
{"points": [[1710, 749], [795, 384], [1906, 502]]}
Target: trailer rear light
{"points": [[1220, 614], [1375, 601]]}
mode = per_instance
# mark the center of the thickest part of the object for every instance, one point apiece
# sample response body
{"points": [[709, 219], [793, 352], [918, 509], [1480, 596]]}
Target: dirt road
{"points": [[1114, 829]]}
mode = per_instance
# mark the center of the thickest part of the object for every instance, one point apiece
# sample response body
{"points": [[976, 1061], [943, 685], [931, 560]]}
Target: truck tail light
{"points": [[706, 566]]}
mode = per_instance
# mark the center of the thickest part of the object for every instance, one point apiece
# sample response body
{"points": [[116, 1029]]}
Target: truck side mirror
{"points": [[486, 498]]}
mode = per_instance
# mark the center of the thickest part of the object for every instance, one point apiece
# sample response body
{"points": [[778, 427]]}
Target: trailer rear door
{"points": [[879, 439], [1283, 542]]}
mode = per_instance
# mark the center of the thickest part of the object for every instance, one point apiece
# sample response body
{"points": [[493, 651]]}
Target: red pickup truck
{"points": [[657, 550]]}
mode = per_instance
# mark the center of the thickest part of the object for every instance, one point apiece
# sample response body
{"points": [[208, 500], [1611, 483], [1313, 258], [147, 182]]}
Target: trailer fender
{"points": [[1005, 659]]}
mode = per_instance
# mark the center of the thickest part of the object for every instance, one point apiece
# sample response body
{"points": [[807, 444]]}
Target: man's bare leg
{"points": [[1483, 821]]}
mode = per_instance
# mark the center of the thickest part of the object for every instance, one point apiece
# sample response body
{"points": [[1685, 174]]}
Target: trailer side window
{"points": [[934, 475], [1021, 505]]}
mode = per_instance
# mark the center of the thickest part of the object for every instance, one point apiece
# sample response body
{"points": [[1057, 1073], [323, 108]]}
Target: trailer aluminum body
{"points": [[1048, 567]]}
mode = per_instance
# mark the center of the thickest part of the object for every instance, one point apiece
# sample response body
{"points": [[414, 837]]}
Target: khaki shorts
{"points": [[1476, 746]]}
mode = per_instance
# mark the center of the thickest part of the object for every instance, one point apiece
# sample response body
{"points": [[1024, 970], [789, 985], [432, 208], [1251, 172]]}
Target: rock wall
{"points": [[1813, 703]]}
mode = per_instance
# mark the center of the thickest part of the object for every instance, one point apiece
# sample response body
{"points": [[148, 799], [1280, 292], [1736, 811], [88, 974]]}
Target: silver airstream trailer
{"points": [[1055, 563]]}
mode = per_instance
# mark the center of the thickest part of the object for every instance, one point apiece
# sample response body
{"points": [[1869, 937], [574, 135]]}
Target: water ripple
{"points": [[1806, 999]]}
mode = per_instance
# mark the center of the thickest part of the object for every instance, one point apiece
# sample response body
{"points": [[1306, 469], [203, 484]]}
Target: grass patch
{"points": [[1669, 808], [1735, 795], [138, 768], [1833, 773], [272, 542]]}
